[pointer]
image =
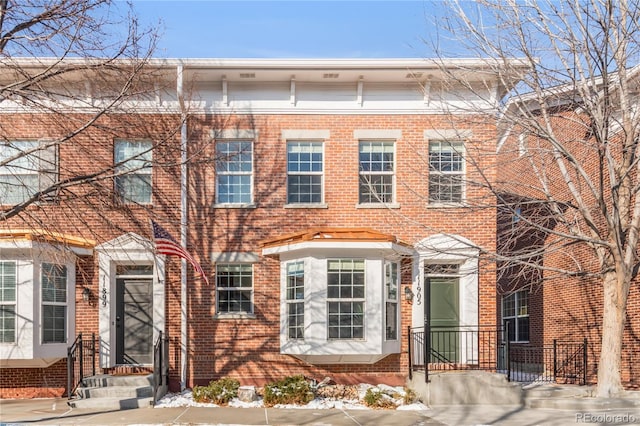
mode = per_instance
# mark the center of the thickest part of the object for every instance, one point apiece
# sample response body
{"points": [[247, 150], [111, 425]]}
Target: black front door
{"points": [[134, 321]]}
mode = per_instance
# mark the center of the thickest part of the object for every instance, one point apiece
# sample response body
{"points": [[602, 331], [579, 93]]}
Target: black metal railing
{"points": [[455, 348], [561, 362], [485, 348], [160, 367], [81, 362]]}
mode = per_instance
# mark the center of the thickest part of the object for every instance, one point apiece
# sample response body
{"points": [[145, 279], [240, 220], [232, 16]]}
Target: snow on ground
{"points": [[185, 399]]}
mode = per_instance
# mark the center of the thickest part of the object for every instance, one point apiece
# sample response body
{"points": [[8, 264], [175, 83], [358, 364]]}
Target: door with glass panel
{"points": [[134, 314], [444, 313]]}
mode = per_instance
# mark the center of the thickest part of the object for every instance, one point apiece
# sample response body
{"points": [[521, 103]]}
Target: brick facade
{"points": [[248, 348]]}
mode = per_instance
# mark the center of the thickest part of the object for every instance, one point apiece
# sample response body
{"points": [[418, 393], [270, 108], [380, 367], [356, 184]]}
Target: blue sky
{"points": [[291, 29]]}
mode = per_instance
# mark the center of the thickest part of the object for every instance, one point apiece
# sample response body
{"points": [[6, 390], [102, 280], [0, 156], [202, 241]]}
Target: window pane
{"points": [[235, 287], [135, 185], [7, 323], [8, 281], [54, 323], [304, 167], [376, 172], [304, 189], [391, 321], [391, 280], [134, 269], [446, 177], [134, 188], [54, 283], [345, 283]]}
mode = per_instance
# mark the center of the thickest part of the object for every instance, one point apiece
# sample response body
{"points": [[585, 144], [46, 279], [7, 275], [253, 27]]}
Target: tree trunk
{"points": [[613, 317]]}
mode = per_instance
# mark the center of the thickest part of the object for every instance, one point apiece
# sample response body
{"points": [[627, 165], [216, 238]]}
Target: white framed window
{"points": [[8, 279], [304, 172], [345, 298], [133, 160], [515, 315], [446, 172], [295, 300], [234, 172], [25, 170], [391, 281], [234, 283], [54, 303], [377, 172]]}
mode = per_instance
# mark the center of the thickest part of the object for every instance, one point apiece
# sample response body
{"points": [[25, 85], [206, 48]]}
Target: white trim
{"points": [[447, 134], [377, 134], [337, 245], [443, 248], [304, 134], [126, 249], [235, 257], [248, 134]]}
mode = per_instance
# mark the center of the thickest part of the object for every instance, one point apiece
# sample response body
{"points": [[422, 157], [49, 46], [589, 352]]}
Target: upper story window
{"points": [[345, 298], [446, 172], [54, 303], [295, 300], [515, 314], [25, 170], [234, 172], [304, 172], [377, 172], [7, 301], [133, 159], [234, 282]]}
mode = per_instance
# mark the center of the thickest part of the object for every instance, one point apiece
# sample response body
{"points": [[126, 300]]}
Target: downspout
{"points": [[183, 232]]}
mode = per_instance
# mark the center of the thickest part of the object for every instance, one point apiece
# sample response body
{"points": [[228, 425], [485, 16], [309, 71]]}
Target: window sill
{"points": [[447, 205], [234, 206], [307, 206], [232, 316], [378, 206]]}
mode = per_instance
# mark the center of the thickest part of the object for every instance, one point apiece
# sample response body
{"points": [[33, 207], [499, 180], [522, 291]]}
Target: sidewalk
{"points": [[56, 412]]}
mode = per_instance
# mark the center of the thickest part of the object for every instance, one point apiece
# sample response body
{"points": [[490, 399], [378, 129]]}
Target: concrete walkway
{"points": [[56, 412]]}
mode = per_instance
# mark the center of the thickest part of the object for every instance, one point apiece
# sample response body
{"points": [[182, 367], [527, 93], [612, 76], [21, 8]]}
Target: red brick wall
{"points": [[249, 348], [563, 307]]}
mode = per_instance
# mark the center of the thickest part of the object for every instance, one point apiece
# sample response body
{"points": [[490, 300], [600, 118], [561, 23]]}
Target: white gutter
{"points": [[183, 232]]}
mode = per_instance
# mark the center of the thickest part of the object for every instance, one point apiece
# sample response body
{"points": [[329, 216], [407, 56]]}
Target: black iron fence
{"points": [[461, 348], [160, 367], [485, 348], [81, 362], [561, 362]]}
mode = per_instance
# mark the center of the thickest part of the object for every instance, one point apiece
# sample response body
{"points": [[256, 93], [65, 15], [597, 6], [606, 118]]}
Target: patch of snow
{"points": [[185, 399]]}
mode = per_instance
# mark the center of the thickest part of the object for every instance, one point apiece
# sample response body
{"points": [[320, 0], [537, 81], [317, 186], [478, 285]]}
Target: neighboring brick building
{"points": [[561, 298], [317, 194]]}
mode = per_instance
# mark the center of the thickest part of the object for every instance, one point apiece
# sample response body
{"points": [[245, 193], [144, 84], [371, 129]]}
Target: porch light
{"points": [[86, 295], [408, 294]]}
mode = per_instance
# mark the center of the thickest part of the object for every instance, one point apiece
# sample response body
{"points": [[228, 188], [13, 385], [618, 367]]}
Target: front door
{"points": [[444, 319], [134, 320]]}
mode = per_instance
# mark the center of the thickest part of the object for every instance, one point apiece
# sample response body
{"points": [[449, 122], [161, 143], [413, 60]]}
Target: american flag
{"points": [[165, 244]]}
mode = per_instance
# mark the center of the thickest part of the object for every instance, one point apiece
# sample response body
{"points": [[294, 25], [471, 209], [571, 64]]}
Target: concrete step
{"points": [[106, 380], [107, 392], [547, 390], [111, 403], [115, 391]]}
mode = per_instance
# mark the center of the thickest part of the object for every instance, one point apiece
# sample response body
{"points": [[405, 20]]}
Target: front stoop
{"points": [[114, 392], [466, 388]]}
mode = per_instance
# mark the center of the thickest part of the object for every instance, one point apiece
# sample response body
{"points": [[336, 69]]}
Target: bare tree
{"points": [[71, 72], [567, 169]]}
